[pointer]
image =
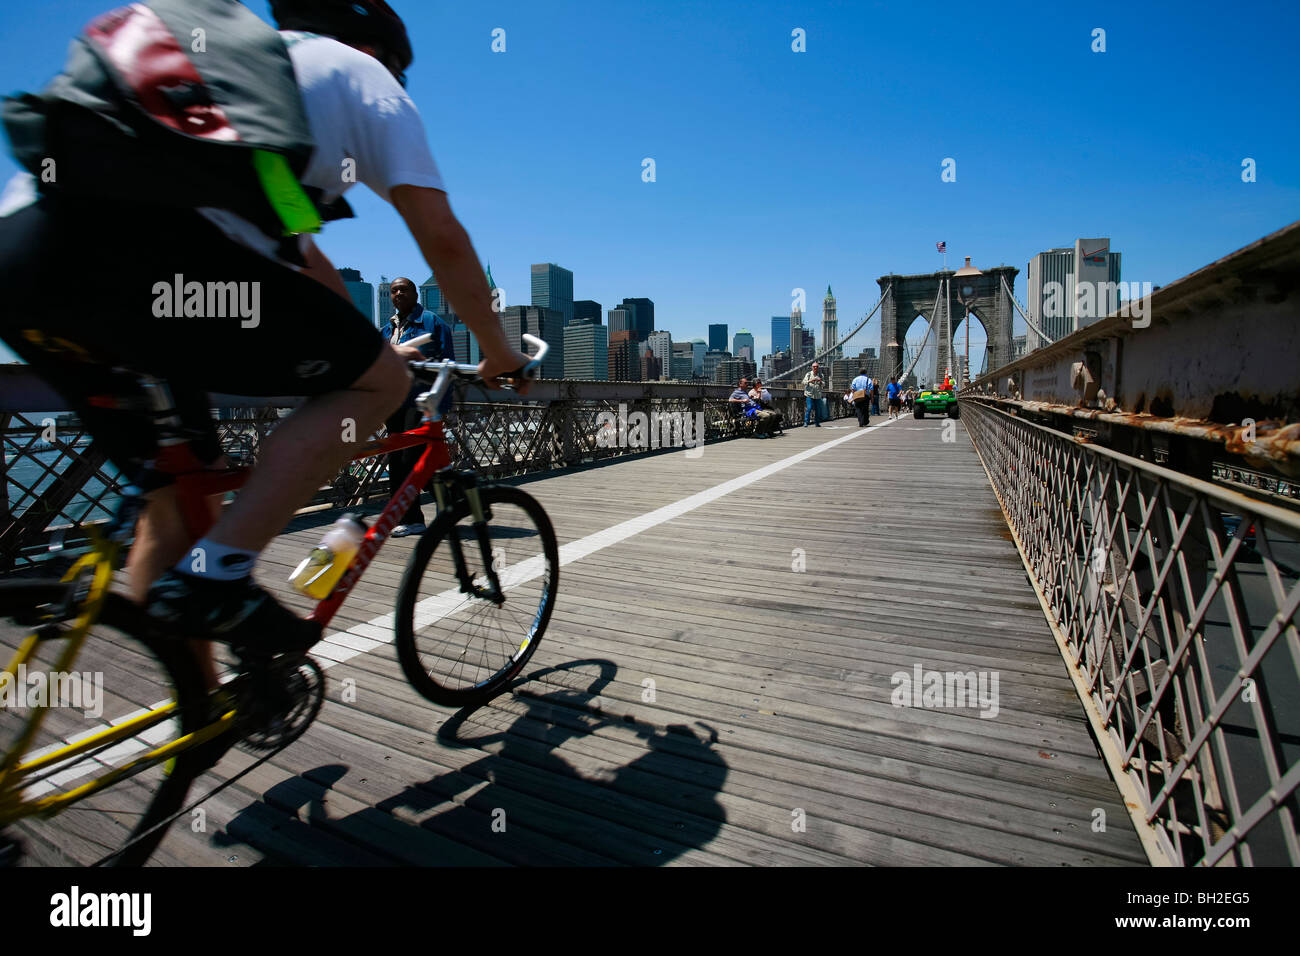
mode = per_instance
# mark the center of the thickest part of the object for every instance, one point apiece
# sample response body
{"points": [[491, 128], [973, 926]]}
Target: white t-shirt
{"points": [[356, 111]]}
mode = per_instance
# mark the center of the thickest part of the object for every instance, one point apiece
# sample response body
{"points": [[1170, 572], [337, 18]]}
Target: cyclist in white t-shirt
{"points": [[349, 58]]}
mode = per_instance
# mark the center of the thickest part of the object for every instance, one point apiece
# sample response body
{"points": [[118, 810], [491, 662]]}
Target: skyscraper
{"points": [[780, 333], [682, 368], [431, 296], [718, 337], [661, 345], [464, 344], [586, 311], [624, 356], [711, 360], [699, 347], [830, 326], [362, 292], [1071, 288], [643, 317], [546, 324], [802, 346], [652, 370], [553, 289], [620, 320], [384, 302], [586, 351], [743, 345]]}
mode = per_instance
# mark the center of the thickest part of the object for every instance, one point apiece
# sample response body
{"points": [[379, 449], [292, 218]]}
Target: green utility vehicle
{"points": [[936, 402]]}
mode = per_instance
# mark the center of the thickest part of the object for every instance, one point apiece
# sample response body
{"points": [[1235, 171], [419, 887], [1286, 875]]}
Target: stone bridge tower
{"points": [[914, 295]]}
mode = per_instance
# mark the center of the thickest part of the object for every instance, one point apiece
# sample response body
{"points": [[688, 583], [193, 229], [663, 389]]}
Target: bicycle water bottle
{"points": [[321, 570]]}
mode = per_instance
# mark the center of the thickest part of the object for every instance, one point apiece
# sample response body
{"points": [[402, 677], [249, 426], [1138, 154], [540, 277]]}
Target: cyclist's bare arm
{"points": [[448, 251]]}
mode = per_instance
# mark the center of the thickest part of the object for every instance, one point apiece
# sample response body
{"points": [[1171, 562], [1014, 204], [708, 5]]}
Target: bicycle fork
{"points": [[467, 486]]}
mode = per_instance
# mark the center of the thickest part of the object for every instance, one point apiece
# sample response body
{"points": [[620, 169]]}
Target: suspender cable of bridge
{"points": [[1047, 340]]}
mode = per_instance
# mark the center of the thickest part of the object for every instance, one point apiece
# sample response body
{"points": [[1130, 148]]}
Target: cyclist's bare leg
{"points": [[307, 448], [160, 541]]}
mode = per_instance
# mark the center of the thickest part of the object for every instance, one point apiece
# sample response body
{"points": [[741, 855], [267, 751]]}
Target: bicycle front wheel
{"points": [[124, 671], [460, 640]]}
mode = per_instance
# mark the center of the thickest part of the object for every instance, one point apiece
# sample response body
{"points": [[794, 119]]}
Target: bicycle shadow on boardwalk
{"points": [[513, 798]]}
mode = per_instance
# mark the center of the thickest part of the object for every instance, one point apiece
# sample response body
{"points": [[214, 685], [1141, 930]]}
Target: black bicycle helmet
{"points": [[355, 22]]}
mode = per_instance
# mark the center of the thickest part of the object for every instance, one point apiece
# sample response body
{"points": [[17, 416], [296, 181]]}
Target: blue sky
{"points": [[778, 169]]}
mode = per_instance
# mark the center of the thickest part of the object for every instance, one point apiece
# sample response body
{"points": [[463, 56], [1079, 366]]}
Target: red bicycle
{"points": [[472, 606], [479, 587]]}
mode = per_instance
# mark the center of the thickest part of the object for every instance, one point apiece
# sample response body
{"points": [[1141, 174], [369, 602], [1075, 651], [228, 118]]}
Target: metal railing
{"points": [[1174, 603], [56, 482]]}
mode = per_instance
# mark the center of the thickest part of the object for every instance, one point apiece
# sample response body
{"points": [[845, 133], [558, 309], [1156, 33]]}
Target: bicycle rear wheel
{"points": [[123, 669], [460, 648]]}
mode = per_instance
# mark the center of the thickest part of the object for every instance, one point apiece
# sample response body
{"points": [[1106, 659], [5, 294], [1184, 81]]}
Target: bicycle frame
{"points": [[193, 485]]}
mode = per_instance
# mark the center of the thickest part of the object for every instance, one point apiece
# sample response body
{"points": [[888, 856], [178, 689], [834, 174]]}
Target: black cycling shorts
{"points": [[87, 287]]}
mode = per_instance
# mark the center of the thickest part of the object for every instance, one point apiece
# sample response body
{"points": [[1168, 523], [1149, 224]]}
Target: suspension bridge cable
{"points": [[1028, 321]]}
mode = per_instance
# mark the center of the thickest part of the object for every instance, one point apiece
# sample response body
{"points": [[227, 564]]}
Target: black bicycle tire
{"points": [[407, 652], [187, 685]]}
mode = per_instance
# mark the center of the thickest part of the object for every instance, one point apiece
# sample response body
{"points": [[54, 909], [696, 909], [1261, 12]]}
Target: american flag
{"points": [[941, 246]]}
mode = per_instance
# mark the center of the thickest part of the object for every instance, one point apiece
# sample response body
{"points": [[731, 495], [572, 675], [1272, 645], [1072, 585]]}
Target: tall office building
{"points": [[463, 340], [586, 351], [361, 292], [732, 370], [830, 326], [431, 296], [546, 324], [802, 346], [584, 310], [624, 356], [1071, 288], [718, 337], [464, 344], [661, 345], [620, 320], [780, 333], [383, 302], [682, 365], [782, 362], [711, 360], [643, 317], [652, 370], [743, 345], [699, 347], [553, 289]]}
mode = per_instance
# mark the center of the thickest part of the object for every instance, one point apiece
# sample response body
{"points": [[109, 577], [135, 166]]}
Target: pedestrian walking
{"points": [[812, 395], [860, 393]]}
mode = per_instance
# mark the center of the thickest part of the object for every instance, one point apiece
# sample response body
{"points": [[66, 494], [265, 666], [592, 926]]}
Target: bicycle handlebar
{"points": [[447, 368]]}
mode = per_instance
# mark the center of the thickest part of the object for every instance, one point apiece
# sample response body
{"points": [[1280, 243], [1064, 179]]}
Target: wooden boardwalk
{"points": [[769, 622]]}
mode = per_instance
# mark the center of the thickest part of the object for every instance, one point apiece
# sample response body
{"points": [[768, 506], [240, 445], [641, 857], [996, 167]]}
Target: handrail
{"points": [[1174, 602]]}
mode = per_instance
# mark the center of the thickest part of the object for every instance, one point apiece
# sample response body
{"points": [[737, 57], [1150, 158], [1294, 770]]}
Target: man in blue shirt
{"points": [[894, 392], [862, 405], [409, 320]]}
